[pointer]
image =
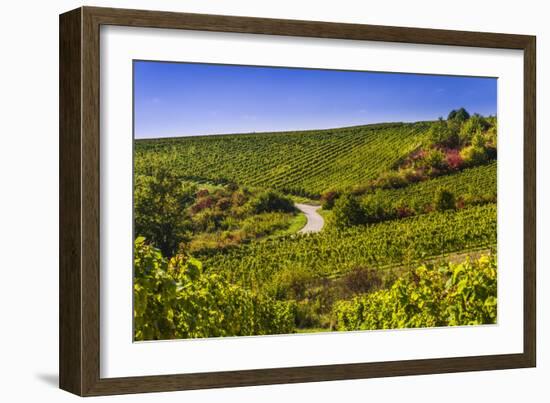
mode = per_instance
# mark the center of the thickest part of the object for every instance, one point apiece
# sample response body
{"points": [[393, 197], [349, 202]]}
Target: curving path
{"points": [[314, 222]]}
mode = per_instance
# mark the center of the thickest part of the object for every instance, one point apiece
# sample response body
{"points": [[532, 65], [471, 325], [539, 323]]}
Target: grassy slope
{"points": [[306, 162]]}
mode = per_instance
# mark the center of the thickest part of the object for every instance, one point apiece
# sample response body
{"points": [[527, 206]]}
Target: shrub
{"points": [[202, 193], [362, 280], [391, 180], [238, 198], [374, 210], [224, 203], [291, 283], [444, 200], [404, 211], [207, 220], [272, 201], [347, 211], [412, 175], [435, 158], [491, 146], [232, 187], [202, 203], [473, 155], [453, 159]]}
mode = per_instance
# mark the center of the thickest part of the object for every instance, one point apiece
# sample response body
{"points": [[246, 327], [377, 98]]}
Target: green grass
{"points": [[296, 225], [304, 163]]}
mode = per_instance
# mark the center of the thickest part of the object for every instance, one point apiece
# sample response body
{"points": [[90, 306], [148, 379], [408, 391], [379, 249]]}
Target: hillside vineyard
{"points": [[407, 238], [301, 163]]}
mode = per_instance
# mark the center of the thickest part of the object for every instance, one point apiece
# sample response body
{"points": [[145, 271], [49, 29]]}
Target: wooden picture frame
{"points": [[79, 346]]}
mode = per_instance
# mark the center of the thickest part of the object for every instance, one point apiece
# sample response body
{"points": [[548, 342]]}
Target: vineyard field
{"points": [[377, 226], [477, 183], [338, 251], [301, 163]]}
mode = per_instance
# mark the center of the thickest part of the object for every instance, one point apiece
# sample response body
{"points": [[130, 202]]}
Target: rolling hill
{"points": [[301, 163]]}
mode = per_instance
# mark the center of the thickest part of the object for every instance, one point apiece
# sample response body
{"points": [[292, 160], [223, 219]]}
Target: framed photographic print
{"points": [[249, 201]]}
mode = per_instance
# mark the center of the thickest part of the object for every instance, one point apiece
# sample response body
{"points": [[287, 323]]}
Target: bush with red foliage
{"points": [[453, 159]]}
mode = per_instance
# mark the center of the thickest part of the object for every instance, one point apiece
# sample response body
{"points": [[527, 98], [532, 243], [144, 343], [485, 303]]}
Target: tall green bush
{"points": [[272, 201], [347, 211], [444, 200]]}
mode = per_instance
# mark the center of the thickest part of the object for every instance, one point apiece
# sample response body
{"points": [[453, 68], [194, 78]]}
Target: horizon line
{"points": [[291, 131]]}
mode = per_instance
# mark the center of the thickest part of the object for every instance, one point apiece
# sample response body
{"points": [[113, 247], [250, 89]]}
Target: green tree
{"points": [[272, 201], [475, 124], [459, 115], [473, 155], [160, 202], [443, 133], [347, 211]]}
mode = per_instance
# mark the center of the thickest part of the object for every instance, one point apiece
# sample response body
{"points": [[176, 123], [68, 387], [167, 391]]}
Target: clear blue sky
{"points": [[184, 99]]}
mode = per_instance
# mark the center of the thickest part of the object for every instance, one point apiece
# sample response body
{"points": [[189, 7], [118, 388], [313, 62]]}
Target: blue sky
{"points": [[185, 99]]}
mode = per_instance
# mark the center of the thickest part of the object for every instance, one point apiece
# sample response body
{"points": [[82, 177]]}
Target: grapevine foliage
{"points": [[176, 298], [429, 296]]}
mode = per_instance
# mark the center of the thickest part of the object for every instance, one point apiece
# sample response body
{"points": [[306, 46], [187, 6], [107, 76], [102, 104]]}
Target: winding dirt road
{"points": [[314, 222]]}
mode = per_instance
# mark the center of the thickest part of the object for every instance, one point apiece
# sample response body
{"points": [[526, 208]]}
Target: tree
{"points": [[160, 203], [443, 133], [444, 200], [473, 155], [347, 211], [460, 115], [470, 127]]}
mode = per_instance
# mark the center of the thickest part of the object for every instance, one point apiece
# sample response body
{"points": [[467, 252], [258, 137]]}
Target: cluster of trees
{"points": [[171, 213], [474, 136], [348, 210], [459, 142]]}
